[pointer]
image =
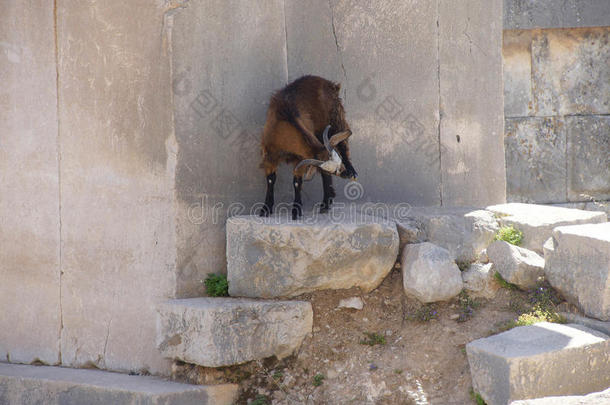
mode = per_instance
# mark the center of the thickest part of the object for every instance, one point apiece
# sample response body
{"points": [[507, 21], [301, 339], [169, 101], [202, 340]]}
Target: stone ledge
{"points": [[216, 332], [24, 384]]}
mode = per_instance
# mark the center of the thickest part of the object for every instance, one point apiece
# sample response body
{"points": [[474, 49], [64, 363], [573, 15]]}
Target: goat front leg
{"points": [[267, 208], [297, 205], [329, 192]]}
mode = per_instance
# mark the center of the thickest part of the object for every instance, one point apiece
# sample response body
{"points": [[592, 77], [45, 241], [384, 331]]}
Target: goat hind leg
{"points": [[267, 208]]}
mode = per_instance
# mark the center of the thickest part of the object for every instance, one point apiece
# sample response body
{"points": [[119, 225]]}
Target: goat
{"points": [[299, 119]]}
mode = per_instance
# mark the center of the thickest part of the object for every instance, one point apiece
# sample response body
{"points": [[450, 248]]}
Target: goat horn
{"points": [[327, 144], [311, 162], [339, 137]]}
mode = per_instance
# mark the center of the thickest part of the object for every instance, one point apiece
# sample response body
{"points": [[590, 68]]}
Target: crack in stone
{"points": [[332, 21]]}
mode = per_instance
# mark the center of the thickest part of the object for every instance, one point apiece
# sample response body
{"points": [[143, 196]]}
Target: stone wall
{"points": [[557, 101], [130, 131]]}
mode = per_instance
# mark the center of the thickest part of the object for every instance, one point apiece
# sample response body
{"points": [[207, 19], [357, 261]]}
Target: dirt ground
{"points": [[416, 360]]}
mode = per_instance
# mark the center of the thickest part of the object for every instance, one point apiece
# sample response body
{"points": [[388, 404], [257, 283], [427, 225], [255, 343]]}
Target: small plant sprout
{"points": [[503, 283], [216, 285], [373, 339], [318, 379], [510, 234]]}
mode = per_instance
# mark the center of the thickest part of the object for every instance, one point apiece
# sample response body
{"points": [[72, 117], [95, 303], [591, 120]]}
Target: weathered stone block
{"points": [[523, 15], [538, 221], [471, 97], [464, 232], [516, 265], [563, 81], [275, 256], [588, 165], [20, 384], [578, 265], [596, 398], [215, 332], [600, 326], [535, 159], [429, 273], [517, 72], [539, 360], [479, 280], [29, 185]]}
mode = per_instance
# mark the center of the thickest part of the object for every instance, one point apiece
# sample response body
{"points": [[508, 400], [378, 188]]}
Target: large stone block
{"points": [[117, 178], [391, 96], [275, 256], [429, 273], [539, 360], [516, 265], [215, 332], [563, 81], [24, 385], [519, 14], [29, 185], [227, 56], [538, 221], [588, 157], [577, 263], [535, 159], [471, 96], [464, 232]]}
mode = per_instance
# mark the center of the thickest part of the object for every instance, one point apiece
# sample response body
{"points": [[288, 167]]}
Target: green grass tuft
{"points": [[260, 400], [503, 283], [510, 234], [425, 313], [477, 398], [318, 379], [217, 285], [373, 339]]}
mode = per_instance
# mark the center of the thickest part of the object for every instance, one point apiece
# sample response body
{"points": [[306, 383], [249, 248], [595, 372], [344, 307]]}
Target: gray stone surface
{"points": [[577, 263], [479, 280], [595, 398], [600, 326], [588, 159], [535, 159], [603, 206], [538, 221], [275, 256], [471, 96], [29, 185], [516, 265], [527, 14], [465, 232], [25, 385], [539, 360], [117, 175], [517, 72], [353, 303], [227, 58], [563, 80], [429, 273], [215, 332]]}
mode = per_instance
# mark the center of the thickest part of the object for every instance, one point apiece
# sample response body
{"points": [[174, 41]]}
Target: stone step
{"points": [[25, 385], [279, 257], [538, 221], [538, 361], [463, 231], [595, 398], [577, 263], [215, 332]]}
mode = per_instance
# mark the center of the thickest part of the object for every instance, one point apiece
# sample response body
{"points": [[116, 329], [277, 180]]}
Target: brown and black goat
{"points": [[299, 119]]}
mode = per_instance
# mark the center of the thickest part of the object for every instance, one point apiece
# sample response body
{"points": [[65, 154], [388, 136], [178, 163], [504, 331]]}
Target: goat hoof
{"points": [[296, 213], [264, 212]]}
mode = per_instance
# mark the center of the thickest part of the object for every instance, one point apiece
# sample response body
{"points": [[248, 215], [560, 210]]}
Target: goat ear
{"points": [[339, 137]]}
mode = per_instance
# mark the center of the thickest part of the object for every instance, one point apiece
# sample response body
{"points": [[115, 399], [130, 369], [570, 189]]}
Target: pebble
{"points": [[353, 303]]}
